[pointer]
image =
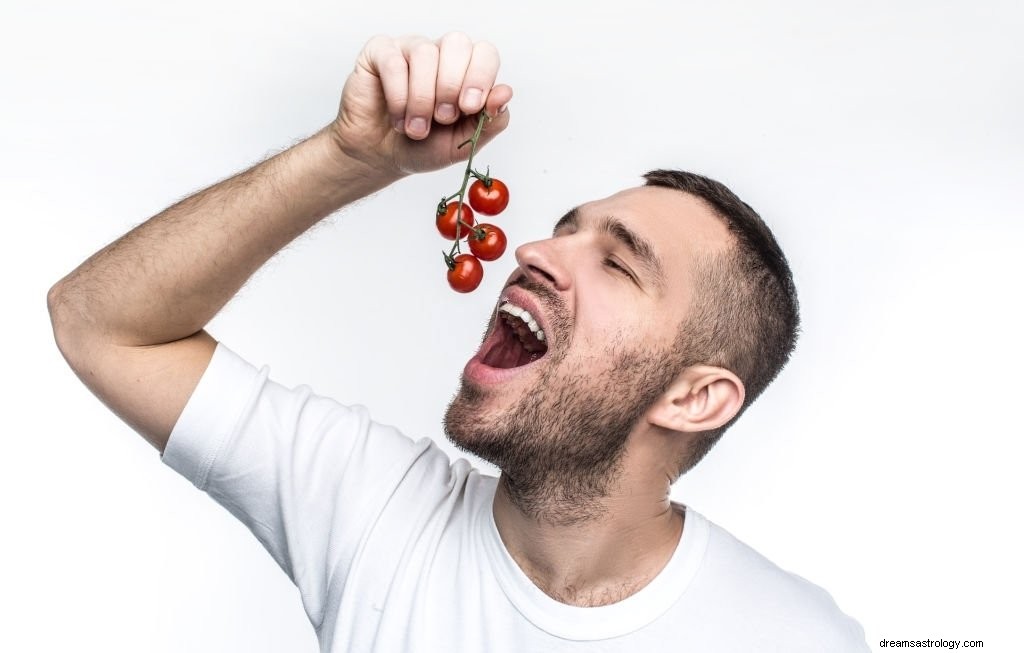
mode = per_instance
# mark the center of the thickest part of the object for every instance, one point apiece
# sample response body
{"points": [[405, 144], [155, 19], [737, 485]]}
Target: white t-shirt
{"points": [[393, 547]]}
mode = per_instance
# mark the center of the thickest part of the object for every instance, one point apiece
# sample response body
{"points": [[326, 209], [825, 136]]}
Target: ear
{"points": [[700, 399]]}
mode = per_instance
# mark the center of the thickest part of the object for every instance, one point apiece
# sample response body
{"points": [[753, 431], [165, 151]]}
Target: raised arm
{"points": [[129, 320]]}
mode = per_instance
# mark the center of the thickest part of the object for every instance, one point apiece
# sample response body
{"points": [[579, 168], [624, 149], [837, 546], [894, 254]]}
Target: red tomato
{"points": [[467, 273], [491, 246], [488, 199], [446, 221]]}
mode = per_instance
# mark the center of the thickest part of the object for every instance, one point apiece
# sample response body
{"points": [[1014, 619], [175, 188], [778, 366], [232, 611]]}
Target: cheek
{"points": [[615, 309], [610, 325], [603, 314], [611, 314]]}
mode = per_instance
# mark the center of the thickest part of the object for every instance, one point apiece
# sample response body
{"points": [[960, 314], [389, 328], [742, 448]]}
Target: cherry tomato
{"points": [[446, 221], [488, 199], [491, 246], [467, 273]]}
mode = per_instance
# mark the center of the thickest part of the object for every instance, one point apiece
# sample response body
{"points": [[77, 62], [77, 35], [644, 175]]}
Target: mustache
{"points": [[549, 299]]}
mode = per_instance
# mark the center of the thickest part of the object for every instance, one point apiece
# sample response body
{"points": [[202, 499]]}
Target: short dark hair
{"points": [[745, 315]]}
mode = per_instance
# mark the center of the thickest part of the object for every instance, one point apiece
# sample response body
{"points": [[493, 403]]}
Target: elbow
{"points": [[57, 306], [55, 303], [53, 298]]}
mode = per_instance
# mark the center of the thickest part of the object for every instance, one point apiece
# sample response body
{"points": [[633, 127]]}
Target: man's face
{"points": [[609, 290]]}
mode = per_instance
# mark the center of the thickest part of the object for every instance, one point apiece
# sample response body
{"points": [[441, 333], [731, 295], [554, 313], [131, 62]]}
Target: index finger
{"points": [[386, 61]]}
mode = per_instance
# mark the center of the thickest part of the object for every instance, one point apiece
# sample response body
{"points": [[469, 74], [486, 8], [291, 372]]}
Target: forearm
{"points": [[167, 278]]}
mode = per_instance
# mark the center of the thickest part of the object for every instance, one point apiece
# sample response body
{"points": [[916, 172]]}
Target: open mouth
{"points": [[517, 339]]}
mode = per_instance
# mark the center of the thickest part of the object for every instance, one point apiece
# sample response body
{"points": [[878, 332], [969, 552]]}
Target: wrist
{"points": [[347, 167]]}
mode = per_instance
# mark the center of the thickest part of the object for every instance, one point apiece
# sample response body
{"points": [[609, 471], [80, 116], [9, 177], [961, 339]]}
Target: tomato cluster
{"points": [[456, 221]]}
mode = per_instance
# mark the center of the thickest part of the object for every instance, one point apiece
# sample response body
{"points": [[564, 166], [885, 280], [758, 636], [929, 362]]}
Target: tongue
{"points": [[510, 351]]}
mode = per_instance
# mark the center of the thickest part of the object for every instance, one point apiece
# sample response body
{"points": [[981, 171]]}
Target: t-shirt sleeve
{"points": [[303, 472]]}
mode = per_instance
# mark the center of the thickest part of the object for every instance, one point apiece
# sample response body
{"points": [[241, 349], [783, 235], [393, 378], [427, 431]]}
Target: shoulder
{"points": [[784, 605]]}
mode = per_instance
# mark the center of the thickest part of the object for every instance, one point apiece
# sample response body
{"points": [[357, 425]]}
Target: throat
{"points": [[592, 563], [594, 597]]}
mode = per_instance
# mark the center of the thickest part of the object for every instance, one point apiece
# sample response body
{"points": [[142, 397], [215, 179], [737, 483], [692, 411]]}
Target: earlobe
{"points": [[701, 399]]}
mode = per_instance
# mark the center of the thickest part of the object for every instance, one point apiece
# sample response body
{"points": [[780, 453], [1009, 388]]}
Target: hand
{"points": [[410, 102]]}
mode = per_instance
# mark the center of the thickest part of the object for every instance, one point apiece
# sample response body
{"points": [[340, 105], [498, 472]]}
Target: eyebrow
{"points": [[639, 247]]}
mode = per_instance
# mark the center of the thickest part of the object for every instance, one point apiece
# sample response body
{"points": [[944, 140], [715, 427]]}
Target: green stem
{"points": [[485, 178], [469, 172]]}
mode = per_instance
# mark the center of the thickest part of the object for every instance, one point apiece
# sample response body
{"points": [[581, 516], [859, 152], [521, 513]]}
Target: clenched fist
{"points": [[410, 102]]}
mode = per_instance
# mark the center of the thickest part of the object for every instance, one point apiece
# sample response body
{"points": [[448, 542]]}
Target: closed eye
{"points": [[612, 264]]}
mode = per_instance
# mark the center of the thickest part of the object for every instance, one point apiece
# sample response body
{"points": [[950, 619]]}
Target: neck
{"points": [[592, 554]]}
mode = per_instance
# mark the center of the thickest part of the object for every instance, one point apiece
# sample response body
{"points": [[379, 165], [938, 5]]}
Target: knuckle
{"points": [[381, 46], [409, 40], [455, 38], [397, 104], [425, 50], [485, 59], [421, 100], [448, 89], [394, 65], [376, 41], [487, 48]]}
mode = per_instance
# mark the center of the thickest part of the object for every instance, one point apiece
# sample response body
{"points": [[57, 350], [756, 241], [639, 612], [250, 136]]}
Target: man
{"points": [[665, 310]]}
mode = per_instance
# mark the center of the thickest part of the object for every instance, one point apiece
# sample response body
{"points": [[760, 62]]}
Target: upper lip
{"points": [[524, 299]]}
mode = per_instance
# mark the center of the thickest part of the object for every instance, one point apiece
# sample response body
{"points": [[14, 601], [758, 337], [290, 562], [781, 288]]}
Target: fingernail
{"points": [[445, 111], [472, 98], [399, 124], [418, 126], [503, 108]]}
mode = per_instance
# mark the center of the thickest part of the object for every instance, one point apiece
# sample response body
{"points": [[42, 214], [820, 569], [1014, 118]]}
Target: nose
{"points": [[542, 262]]}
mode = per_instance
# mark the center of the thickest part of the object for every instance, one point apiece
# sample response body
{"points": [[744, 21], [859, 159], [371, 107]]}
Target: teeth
{"points": [[525, 316]]}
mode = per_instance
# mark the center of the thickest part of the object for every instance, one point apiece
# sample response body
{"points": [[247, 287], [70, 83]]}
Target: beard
{"points": [[560, 447]]}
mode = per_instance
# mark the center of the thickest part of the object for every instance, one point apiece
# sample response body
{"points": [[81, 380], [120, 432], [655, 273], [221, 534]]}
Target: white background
{"points": [[882, 141]]}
